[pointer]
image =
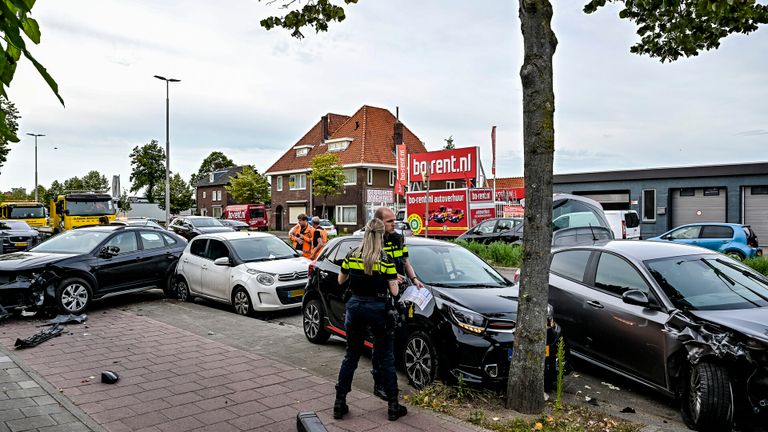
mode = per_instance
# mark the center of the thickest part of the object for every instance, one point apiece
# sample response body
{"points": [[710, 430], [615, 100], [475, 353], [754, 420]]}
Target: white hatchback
{"points": [[252, 271]]}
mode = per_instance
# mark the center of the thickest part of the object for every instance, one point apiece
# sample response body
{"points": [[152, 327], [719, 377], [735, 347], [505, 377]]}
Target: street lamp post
{"points": [[167, 151], [35, 135]]}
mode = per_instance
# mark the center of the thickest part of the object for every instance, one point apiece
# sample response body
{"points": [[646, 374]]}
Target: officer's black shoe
{"points": [[340, 408], [379, 392], [395, 411]]}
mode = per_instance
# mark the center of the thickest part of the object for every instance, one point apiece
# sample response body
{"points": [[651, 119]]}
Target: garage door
{"points": [[294, 212], [610, 200], [698, 205], [756, 211]]}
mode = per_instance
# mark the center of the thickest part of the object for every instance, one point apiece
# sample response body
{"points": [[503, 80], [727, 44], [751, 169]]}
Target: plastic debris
{"points": [[610, 386], [39, 337], [628, 410], [109, 377], [210, 333], [588, 387], [67, 319]]}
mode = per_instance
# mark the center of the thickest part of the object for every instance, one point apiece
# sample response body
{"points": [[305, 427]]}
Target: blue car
{"points": [[735, 240]]}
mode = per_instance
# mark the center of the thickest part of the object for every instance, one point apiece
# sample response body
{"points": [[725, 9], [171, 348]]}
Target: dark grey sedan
{"points": [[16, 236], [683, 320]]}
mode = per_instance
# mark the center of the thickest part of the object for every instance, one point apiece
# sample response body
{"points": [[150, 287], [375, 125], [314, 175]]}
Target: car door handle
{"points": [[186, 260], [323, 274], [595, 304]]}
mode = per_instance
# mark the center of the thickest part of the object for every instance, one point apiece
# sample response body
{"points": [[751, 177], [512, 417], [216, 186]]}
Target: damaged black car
{"points": [[688, 322], [71, 269]]}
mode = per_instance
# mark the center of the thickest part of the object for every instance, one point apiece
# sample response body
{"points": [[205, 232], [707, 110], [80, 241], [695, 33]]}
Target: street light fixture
{"points": [[167, 151], [35, 135]]}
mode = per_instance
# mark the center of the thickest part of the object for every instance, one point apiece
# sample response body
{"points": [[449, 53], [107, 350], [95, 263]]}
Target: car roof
{"points": [[643, 250], [712, 224], [411, 241], [235, 235]]}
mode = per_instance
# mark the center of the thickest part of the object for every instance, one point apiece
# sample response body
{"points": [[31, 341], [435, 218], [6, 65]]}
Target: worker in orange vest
{"points": [[319, 239], [301, 236]]}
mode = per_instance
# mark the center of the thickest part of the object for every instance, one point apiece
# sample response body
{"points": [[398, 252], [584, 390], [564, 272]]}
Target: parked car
{"points": [[137, 222], [235, 224], [73, 268], [624, 223], [251, 271], [401, 228], [682, 320], [509, 230], [255, 215], [16, 235], [735, 240], [467, 329], [328, 227], [190, 227]]}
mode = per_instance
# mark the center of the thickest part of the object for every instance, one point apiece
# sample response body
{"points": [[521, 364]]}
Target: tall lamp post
{"points": [[35, 135], [167, 151]]}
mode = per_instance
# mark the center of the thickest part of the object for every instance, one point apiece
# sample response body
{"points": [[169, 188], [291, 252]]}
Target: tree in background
{"points": [[15, 23], [95, 181], [53, 192], [249, 186], [214, 162], [123, 202], [181, 195], [73, 184], [327, 177], [18, 194], [669, 29], [449, 145], [10, 117], [148, 168]]}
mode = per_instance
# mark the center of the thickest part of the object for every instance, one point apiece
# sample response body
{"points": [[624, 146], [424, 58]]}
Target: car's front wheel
{"points": [[707, 403], [313, 318], [73, 296], [420, 359], [182, 290], [738, 256], [242, 302]]}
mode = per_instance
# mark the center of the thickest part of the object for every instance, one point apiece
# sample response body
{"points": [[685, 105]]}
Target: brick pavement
{"points": [[173, 380]]}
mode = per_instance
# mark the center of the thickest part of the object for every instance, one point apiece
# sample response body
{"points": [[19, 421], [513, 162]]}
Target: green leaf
{"points": [[46, 76], [31, 29]]}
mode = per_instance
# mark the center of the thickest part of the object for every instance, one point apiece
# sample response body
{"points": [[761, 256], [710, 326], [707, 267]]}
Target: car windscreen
{"points": [[452, 267], [26, 212], [77, 242], [252, 249], [14, 225], [90, 208], [571, 213], [709, 282], [256, 213], [206, 222]]}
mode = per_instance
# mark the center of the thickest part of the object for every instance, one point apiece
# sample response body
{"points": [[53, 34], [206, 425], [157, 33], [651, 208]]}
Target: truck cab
{"points": [[31, 212], [255, 215], [74, 210]]}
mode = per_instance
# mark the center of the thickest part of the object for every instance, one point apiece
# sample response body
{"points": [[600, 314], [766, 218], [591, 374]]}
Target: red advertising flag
{"points": [[493, 151], [402, 164]]}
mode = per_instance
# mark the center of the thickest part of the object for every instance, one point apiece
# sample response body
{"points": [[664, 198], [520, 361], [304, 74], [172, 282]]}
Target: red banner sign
{"points": [[481, 195], [456, 164], [446, 215], [402, 164]]}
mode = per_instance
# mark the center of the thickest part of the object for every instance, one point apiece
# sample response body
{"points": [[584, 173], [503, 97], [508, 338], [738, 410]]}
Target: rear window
{"points": [[716, 231], [632, 220], [570, 264]]}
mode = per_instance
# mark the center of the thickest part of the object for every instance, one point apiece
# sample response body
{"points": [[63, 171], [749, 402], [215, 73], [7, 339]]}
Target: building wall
{"points": [[208, 203], [663, 187]]}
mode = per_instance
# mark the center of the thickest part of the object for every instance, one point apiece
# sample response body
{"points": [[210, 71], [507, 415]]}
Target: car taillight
{"points": [[516, 276], [311, 269], [623, 229]]}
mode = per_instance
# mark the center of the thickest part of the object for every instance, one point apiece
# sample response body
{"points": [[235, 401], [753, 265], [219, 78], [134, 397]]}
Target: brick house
{"points": [[365, 143], [211, 195]]}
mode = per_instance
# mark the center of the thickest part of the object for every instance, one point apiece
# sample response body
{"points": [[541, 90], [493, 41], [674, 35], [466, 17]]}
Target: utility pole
{"points": [[167, 150], [35, 135]]}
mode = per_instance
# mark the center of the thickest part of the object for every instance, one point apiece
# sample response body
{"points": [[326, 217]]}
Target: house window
{"points": [[649, 205], [711, 192], [391, 178], [350, 177], [346, 215], [297, 182], [759, 190], [203, 194], [217, 211], [280, 183], [370, 176], [689, 192], [302, 152], [450, 185]]}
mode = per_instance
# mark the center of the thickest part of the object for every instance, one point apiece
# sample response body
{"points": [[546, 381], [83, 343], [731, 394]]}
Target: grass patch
{"points": [[485, 408], [497, 253], [759, 264]]}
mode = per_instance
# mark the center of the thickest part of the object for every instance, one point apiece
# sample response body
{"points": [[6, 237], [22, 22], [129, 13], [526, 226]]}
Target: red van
{"points": [[255, 215]]}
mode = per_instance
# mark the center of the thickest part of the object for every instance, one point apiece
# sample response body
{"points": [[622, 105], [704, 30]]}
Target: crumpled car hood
{"points": [[751, 322], [498, 303], [23, 260]]}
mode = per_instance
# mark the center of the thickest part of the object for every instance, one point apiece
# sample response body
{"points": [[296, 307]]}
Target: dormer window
{"points": [[210, 177], [338, 144], [302, 150]]}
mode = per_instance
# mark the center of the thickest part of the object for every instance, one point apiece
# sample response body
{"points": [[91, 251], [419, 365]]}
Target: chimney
{"points": [[324, 121], [397, 138]]}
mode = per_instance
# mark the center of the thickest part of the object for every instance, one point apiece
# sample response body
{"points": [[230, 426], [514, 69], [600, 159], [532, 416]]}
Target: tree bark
{"points": [[525, 387]]}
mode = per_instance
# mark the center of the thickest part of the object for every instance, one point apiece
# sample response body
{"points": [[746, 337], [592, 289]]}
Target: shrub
{"points": [[759, 264], [497, 253]]}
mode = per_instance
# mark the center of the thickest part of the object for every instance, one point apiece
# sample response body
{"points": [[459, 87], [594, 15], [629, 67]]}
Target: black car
{"points": [[509, 230], [71, 269], [235, 224], [190, 227], [16, 236], [466, 330], [683, 320]]}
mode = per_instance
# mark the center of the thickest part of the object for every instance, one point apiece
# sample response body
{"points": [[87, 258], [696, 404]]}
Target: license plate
{"points": [[295, 293], [22, 244]]}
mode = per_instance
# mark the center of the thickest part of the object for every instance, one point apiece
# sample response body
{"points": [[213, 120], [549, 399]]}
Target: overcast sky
{"points": [[450, 65]]}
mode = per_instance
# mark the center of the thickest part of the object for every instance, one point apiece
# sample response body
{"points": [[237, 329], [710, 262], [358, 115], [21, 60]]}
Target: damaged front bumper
{"points": [[26, 291], [745, 357]]}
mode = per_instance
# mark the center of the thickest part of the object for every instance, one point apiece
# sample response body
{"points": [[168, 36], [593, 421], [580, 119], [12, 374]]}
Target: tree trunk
{"points": [[525, 387]]}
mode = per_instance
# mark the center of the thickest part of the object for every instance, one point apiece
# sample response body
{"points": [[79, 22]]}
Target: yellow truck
{"points": [[31, 212], [73, 210]]}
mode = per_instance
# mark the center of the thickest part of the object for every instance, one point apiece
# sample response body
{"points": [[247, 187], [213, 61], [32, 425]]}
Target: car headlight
{"points": [[467, 320], [262, 278]]}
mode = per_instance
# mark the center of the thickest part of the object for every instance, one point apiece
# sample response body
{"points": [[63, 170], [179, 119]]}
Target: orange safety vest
{"points": [[306, 247], [324, 236]]}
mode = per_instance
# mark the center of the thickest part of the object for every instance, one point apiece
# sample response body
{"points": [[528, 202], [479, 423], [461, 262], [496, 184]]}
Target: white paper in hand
{"points": [[419, 297]]}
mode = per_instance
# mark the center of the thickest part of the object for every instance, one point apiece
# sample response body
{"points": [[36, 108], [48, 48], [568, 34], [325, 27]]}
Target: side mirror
{"points": [[109, 251], [667, 237], [635, 297], [66, 212], [223, 261]]}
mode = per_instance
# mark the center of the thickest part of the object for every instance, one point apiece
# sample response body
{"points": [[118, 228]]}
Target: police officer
{"points": [[372, 280]]}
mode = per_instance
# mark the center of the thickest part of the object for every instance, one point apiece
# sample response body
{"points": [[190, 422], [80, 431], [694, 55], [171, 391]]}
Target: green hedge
{"points": [[497, 253], [760, 264]]}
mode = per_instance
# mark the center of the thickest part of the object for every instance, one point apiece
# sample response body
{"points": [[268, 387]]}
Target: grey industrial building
{"points": [[668, 197]]}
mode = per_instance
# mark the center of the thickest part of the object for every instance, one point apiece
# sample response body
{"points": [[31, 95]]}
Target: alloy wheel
{"points": [[311, 320], [242, 303], [182, 290], [694, 393], [418, 362], [74, 297]]}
